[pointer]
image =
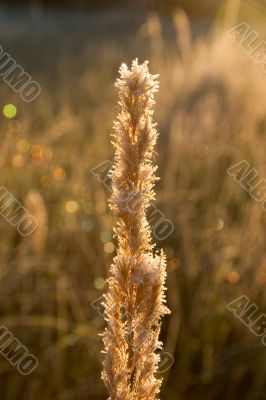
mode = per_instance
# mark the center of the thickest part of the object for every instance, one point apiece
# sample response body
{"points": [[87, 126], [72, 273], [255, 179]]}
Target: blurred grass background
{"points": [[211, 115]]}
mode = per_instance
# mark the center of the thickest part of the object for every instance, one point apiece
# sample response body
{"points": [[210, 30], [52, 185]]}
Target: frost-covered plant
{"points": [[135, 301]]}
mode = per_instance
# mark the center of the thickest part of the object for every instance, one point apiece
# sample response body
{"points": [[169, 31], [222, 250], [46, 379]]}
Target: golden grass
{"points": [[211, 114]]}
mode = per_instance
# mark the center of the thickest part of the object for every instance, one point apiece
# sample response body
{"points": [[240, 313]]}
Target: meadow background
{"points": [[211, 114]]}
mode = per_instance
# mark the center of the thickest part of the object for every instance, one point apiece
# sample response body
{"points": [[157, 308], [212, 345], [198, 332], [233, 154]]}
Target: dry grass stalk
{"points": [[135, 300], [35, 204]]}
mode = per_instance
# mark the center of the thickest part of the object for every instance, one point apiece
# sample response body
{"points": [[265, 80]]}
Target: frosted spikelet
{"points": [[135, 301]]}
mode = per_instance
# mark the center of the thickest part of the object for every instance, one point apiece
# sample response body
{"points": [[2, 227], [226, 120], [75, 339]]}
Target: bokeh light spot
{"points": [[218, 224], [17, 161], [23, 145], [99, 282], [109, 247], [233, 277], [10, 110], [71, 206], [58, 174], [105, 236], [87, 225], [37, 154], [173, 264]]}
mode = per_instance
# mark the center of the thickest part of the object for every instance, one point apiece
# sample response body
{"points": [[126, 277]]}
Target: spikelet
{"points": [[135, 301]]}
